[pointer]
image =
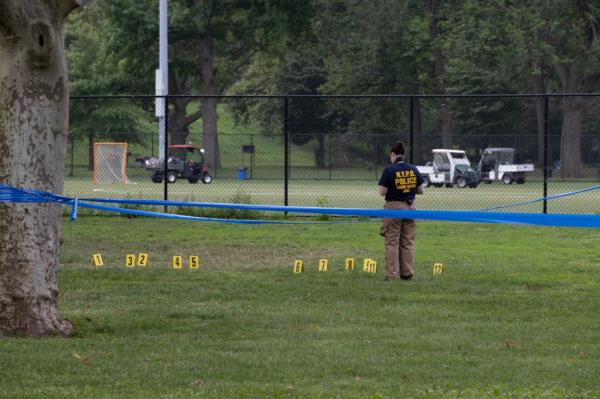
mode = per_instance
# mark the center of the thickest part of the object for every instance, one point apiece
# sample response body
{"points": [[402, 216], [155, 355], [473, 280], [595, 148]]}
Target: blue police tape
{"points": [[536, 219], [10, 194], [139, 212], [540, 199]]}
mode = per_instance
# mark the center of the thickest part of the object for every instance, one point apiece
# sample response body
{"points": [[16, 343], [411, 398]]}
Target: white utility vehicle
{"points": [[449, 167], [497, 164]]}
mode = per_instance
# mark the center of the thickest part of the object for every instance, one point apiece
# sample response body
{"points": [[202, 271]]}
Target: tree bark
{"points": [[539, 87], [340, 151], [33, 136], [576, 78], [445, 116], [320, 152], [210, 139], [573, 81], [570, 138], [179, 120], [413, 88]]}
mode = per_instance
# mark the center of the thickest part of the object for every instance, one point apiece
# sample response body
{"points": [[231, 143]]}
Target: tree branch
{"points": [[193, 117], [64, 7], [7, 19], [590, 81], [562, 73]]}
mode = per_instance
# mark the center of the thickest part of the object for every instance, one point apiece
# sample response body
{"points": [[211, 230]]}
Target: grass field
{"points": [[349, 193], [514, 314]]}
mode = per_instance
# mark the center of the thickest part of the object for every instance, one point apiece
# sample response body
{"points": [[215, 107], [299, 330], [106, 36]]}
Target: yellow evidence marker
{"points": [[438, 268], [97, 260], [369, 266], [142, 260], [350, 264], [373, 266], [323, 265], [177, 262], [130, 260], [194, 262], [298, 266]]}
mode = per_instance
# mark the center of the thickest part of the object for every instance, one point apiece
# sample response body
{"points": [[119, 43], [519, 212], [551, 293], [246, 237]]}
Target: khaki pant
{"points": [[399, 238]]}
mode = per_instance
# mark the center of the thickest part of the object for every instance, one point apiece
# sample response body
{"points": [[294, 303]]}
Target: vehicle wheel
{"points": [[156, 178], [461, 182], [521, 180], [193, 180], [206, 178], [425, 181], [473, 185], [506, 179], [438, 185], [171, 177], [449, 185]]}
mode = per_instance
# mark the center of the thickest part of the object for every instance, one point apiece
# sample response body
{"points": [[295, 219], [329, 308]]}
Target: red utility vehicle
{"points": [[184, 161]]}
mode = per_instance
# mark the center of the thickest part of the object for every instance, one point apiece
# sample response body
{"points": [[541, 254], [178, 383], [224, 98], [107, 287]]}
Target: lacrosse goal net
{"points": [[110, 163]]}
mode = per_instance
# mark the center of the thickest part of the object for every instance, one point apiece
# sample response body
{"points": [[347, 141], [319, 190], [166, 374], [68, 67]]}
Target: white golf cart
{"points": [[449, 167], [497, 164]]}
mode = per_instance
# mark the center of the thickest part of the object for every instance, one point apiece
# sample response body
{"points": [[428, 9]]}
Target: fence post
{"points": [[331, 140], [252, 155], [166, 160], [377, 156], [412, 128], [545, 153], [286, 150]]}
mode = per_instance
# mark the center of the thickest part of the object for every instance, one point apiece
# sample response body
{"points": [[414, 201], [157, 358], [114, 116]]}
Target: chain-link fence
{"points": [[331, 150]]}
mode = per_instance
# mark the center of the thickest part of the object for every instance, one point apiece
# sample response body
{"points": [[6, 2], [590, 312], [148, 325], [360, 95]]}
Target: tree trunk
{"points": [[573, 80], [320, 152], [90, 151], [413, 88], [417, 131], [339, 151], [440, 86], [210, 139], [576, 77], [539, 87], [33, 136], [178, 121], [570, 138]]}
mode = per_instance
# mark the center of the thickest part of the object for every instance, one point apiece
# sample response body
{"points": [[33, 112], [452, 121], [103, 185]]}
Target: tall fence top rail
{"points": [[340, 96]]}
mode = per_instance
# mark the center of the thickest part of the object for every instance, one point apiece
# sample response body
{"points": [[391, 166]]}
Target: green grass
{"points": [[514, 314], [348, 193]]}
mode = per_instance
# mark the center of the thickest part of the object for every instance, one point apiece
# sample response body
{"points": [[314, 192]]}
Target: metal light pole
{"points": [[162, 74]]}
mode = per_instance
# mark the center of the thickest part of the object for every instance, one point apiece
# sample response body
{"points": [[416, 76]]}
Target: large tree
{"points": [[34, 100], [210, 41], [573, 50], [434, 9]]}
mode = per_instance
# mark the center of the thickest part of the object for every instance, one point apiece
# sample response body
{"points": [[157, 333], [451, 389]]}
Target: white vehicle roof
{"points": [[448, 151], [458, 157], [499, 149]]}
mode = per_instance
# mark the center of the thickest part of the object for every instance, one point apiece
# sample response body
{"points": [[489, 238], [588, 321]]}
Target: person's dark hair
{"points": [[398, 148]]}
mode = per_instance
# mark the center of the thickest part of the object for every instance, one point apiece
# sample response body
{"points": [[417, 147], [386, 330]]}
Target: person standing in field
{"points": [[399, 183]]}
